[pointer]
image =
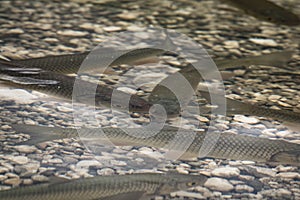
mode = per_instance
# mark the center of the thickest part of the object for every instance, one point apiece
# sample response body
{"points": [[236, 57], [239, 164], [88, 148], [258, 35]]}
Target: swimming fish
{"points": [[94, 61], [224, 145], [275, 59], [59, 85], [289, 118], [171, 102], [113, 187], [267, 11], [63, 86]]}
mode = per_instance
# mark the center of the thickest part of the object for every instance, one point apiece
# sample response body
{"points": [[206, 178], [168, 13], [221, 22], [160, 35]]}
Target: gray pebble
{"points": [[218, 184], [226, 172]]}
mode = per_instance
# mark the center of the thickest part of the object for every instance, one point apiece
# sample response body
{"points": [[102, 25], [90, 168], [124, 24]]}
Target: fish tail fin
{"points": [[38, 134]]}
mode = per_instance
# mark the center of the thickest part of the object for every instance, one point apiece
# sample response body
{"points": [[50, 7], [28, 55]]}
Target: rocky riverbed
{"points": [[38, 28]]}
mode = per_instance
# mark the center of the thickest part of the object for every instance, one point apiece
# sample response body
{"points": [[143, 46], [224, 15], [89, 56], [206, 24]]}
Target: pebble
{"points": [[13, 181], [27, 169], [118, 163], [244, 119], [88, 26], [112, 28], [283, 192], [284, 104], [282, 168], [55, 161], [127, 90], [21, 160], [51, 40], [218, 184], [203, 191], [3, 177], [274, 97], [276, 193], [244, 188], [264, 42], [283, 133], [72, 33], [25, 148], [239, 72], [201, 118], [188, 195], [231, 44], [30, 122], [128, 15], [105, 171], [226, 172], [5, 127], [64, 109], [15, 31], [248, 162], [288, 175], [3, 170], [88, 163], [260, 171], [39, 178], [27, 181]]}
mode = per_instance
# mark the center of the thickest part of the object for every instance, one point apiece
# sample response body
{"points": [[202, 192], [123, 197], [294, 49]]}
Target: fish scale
{"points": [[96, 60], [227, 146], [102, 187], [63, 86]]}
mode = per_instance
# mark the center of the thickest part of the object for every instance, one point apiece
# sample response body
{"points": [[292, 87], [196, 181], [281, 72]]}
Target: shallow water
{"points": [[35, 29]]}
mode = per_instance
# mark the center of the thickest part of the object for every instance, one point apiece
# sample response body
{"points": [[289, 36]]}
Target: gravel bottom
{"points": [[38, 28]]}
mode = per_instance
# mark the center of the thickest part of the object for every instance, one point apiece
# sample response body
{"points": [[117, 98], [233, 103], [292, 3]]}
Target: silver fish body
{"points": [[117, 187], [62, 86], [96, 60], [238, 107], [267, 11], [225, 146], [171, 102]]}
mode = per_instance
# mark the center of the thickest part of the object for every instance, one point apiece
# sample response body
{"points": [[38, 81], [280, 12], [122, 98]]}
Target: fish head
{"points": [[286, 157], [138, 104], [119, 100], [176, 181]]}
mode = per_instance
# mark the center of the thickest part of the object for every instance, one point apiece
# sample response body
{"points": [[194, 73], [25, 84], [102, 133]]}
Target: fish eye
{"points": [[190, 184]]}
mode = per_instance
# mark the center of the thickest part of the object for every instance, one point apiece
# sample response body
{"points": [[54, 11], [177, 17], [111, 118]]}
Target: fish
{"points": [[233, 107], [275, 59], [222, 145], [63, 86], [91, 61], [110, 187], [174, 103], [266, 10]]}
